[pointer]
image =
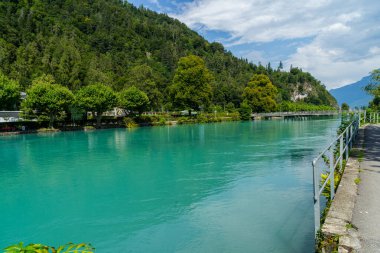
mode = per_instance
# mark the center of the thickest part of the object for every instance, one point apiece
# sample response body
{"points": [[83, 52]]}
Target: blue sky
{"points": [[338, 41]]}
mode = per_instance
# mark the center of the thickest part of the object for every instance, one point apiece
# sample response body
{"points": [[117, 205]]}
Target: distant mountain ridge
{"points": [[353, 94]]}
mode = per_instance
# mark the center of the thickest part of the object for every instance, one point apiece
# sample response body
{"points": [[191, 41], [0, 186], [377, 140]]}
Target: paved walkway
{"points": [[366, 214]]}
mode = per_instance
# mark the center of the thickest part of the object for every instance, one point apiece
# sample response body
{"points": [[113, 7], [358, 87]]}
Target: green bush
{"points": [[201, 118], [186, 120], [89, 128], [47, 130], [235, 116], [152, 120], [129, 123], [245, 111]]}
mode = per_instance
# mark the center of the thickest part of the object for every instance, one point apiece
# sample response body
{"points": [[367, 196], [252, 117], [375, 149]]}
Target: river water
{"points": [[225, 187]]}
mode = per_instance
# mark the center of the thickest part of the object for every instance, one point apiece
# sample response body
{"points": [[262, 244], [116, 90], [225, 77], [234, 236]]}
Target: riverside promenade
{"points": [[366, 214]]}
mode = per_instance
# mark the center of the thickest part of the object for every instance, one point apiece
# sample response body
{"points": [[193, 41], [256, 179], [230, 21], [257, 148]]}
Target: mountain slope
{"points": [[80, 42], [353, 94]]}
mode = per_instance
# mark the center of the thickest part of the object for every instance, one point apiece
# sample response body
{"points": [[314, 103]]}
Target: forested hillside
{"points": [[81, 42]]}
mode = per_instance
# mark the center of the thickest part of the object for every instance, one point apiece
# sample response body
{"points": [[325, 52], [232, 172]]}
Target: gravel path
{"points": [[366, 214]]}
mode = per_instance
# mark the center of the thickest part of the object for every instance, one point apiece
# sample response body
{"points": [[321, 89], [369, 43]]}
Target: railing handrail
{"points": [[334, 141]]}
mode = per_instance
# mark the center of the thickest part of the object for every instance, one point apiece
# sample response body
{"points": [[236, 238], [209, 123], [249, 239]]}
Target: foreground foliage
{"points": [[40, 248]]}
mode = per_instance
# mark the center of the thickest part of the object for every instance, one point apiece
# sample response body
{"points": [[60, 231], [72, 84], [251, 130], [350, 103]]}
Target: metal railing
{"points": [[371, 117], [333, 156]]}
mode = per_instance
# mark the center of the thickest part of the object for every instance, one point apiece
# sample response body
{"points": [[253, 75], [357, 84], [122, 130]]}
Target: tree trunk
{"points": [[98, 119], [190, 112], [51, 121]]}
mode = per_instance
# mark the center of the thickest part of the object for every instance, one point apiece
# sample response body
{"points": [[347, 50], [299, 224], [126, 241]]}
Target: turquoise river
{"points": [[225, 187]]}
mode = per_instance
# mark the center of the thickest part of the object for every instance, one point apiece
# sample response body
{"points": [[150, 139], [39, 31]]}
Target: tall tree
{"points": [[191, 86], [345, 107], [9, 93], [134, 100], [280, 66], [147, 80], [373, 88], [46, 98], [261, 94], [96, 98]]}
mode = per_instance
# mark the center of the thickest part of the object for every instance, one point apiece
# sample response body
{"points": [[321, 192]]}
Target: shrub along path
{"points": [[366, 215]]}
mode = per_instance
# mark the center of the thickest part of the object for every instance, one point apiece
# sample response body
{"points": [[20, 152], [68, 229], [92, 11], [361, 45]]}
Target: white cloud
{"points": [[374, 50], [345, 33], [263, 21], [329, 67]]}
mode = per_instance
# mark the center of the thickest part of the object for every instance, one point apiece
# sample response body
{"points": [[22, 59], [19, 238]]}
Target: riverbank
{"points": [[144, 121]]}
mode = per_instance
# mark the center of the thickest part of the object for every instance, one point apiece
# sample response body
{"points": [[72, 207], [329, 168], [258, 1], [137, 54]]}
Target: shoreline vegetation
{"points": [[146, 120], [126, 122]]}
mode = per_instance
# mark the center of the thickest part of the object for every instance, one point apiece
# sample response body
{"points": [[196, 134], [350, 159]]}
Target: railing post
{"points": [[332, 174], [317, 205], [341, 153], [351, 137], [347, 144]]}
